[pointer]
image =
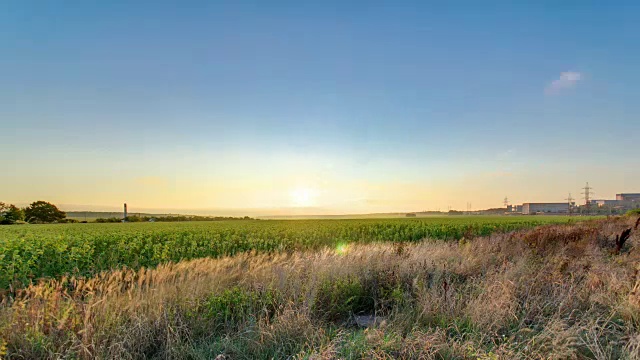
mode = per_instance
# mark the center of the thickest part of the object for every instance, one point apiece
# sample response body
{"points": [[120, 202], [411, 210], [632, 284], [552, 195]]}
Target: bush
{"points": [[234, 306], [108, 220], [338, 298], [68, 221], [633, 212]]}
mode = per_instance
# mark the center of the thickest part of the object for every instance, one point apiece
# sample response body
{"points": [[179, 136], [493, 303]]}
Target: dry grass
{"points": [[556, 292]]}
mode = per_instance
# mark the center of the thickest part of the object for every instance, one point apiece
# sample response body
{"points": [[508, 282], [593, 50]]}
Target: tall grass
{"points": [[557, 291]]}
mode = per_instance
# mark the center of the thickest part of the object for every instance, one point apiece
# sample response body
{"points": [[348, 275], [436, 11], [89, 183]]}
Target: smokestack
{"points": [[125, 211]]}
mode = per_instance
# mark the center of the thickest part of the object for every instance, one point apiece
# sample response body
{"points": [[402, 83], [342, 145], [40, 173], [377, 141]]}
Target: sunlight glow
{"points": [[304, 197]]}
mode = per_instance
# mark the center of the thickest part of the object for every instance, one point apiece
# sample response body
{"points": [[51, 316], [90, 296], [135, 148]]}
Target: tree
{"points": [[43, 212], [10, 213]]}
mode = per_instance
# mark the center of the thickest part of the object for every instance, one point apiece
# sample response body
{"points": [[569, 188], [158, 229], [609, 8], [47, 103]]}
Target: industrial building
{"points": [[622, 203], [607, 203], [545, 208], [628, 197]]}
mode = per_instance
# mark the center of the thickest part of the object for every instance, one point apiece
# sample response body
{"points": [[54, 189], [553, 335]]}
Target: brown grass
{"points": [[555, 292]]}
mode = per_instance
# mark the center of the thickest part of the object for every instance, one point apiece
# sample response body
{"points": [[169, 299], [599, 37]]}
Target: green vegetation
{"points": [[42, 212], [10, 214], [30, 252], [170, 218], [553, 292], [38, 212], [633, 212]]}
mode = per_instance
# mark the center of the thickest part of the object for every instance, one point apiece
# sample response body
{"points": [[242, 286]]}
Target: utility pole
{"points": [[570, 202], [587, 193]]}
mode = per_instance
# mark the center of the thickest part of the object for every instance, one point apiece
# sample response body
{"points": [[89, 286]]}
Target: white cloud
{"points": [[567, 80]]}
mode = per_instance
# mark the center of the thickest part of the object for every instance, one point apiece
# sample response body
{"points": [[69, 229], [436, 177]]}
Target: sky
{"points": [[300, 107]]}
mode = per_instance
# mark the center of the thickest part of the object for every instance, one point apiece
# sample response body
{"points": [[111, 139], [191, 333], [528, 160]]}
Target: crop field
{"points": [[31, 252], [563, 291]]}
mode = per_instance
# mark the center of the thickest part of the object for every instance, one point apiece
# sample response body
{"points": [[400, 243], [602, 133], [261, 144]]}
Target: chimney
{"points": [[125, 211]]}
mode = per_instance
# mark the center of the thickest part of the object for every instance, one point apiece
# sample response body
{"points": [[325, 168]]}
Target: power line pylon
{"points": [[587, 193], [506, 201], [570, 203]]}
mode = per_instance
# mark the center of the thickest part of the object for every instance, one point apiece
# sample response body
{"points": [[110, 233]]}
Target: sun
{"points": [[303, 196]]}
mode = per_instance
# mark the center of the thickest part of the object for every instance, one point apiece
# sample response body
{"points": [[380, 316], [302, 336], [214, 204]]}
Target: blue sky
{"points": [[317, 106]]}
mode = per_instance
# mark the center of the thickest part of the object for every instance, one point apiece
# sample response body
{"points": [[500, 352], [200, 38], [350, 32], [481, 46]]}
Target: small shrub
{"points": [[633, 212], [338, 298]]}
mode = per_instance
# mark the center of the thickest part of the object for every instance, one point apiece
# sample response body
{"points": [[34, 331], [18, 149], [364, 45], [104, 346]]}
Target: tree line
{"points": [[38, 212], [42, 212], [171, 218]]}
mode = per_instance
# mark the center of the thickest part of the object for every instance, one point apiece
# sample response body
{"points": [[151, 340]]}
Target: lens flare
{"points": [[342, 248]]}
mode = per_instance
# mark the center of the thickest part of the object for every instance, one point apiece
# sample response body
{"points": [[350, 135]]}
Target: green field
{"points": [[31, 252]]}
